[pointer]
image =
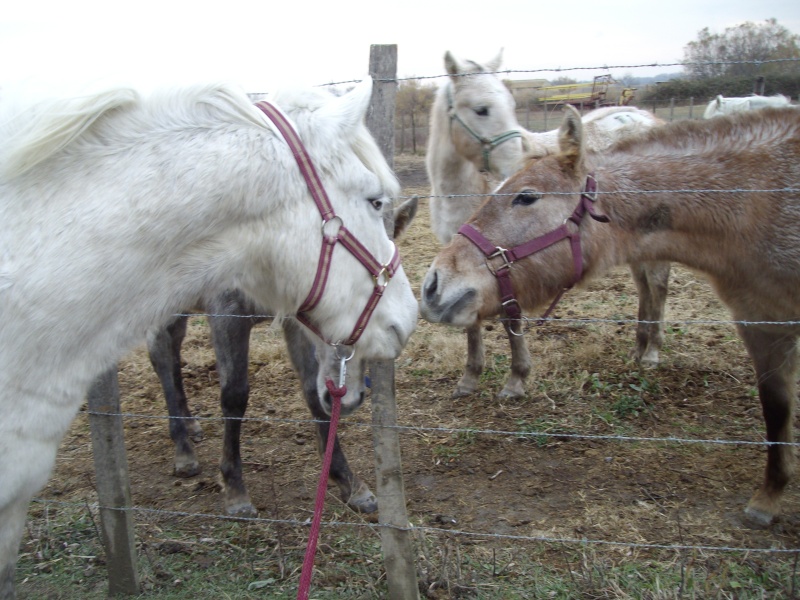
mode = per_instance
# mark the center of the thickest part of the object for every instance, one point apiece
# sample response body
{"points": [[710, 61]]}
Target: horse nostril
{"points": [[431, 285]]}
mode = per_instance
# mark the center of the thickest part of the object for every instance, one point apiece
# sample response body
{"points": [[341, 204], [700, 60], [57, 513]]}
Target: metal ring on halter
{"points": [[333, 218], [383, 273]]}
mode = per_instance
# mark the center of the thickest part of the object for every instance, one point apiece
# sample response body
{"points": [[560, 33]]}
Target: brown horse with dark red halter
{"points": [[718, 196]]}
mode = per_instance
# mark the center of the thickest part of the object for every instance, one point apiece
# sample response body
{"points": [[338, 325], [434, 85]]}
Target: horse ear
{"points": [[494, 64], [349, 109], [404, 214], [451, 65], [570, 141]]}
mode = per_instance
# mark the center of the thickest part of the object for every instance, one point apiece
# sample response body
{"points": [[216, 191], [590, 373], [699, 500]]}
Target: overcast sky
{"points": [[262, 45]]}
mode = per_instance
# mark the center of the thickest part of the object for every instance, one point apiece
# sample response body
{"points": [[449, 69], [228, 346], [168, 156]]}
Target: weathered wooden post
{"points": [[396, 539], [113, 486]]}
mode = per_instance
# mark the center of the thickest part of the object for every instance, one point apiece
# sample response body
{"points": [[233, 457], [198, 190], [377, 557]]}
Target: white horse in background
{"points": [[117, 211], [725, 106], [474, 143]]}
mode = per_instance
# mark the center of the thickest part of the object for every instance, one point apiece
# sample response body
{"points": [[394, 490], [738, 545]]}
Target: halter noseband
{"points": [[509, 257], [487, 145], [332, 234]]}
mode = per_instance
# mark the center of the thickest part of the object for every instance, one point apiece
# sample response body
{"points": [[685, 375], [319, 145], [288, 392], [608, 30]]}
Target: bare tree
{"points": [[413, 101], [741, 50]]}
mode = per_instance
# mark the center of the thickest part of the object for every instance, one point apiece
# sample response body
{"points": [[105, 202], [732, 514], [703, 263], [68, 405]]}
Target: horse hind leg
{"points": [[520, 362], [775, 359], [652, 283], [475, 363], [353, 491], [164, 348], [231, 339]]}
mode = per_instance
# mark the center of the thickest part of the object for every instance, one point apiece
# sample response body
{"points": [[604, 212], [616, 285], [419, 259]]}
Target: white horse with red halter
{"points": [[117, 211]]}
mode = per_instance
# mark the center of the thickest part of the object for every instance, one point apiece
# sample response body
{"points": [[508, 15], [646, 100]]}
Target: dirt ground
{"points": [[492, 480]]}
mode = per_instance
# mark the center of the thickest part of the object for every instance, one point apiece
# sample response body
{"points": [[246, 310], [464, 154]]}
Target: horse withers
{"points": [[117, 211], [735, 216], [475, 142]]}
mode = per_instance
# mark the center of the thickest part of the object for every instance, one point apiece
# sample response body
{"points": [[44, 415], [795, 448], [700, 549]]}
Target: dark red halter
{"points": [[510, 256], [381, 273]]}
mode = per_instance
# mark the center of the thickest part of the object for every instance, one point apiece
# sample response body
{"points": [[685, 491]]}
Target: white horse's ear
{"points": [[494, 64], [350, 109], [570, 141], [451, 65]]}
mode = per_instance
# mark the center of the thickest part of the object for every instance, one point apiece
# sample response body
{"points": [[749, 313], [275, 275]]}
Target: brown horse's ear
{"points": [[570, 141]]}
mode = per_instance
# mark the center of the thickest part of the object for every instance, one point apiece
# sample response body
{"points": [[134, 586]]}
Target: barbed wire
{"points": [[456, 430], [604, 67], [421, 528]]}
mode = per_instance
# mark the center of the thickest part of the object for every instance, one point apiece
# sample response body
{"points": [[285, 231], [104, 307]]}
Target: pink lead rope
{"points": [[322, 487]]}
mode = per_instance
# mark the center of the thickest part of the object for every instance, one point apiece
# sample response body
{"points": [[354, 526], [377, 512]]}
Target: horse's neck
{"points": [[450, 174]]}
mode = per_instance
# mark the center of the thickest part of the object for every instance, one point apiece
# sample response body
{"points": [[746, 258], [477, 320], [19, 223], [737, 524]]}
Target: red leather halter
{"points": [[381, 273], [509, 257]]}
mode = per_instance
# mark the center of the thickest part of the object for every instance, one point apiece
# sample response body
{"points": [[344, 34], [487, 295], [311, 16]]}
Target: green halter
{"points": [[487, 145]]}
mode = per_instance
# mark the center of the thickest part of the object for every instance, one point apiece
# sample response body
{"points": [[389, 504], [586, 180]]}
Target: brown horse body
{"points": [[735, 216]]}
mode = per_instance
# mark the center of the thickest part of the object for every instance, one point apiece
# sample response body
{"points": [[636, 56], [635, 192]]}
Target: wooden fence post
{"points": [[113, 487], [396, 538]]}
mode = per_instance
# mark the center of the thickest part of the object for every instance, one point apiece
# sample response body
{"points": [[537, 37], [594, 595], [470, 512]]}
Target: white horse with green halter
{"points": [[475, 142]]}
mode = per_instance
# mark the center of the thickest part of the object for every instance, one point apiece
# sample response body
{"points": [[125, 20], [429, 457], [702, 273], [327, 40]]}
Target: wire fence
{"points": [[530, 434]]}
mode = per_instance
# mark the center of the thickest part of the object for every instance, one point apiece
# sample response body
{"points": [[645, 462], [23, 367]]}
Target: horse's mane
{"points": [[31, 135], [736, 131]]}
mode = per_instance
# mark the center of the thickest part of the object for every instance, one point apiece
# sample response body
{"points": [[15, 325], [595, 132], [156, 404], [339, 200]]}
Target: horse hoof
{"points": [[462, 392], [755, 518], [244, 510], [189, 469], [365, 503], [510, 394]]}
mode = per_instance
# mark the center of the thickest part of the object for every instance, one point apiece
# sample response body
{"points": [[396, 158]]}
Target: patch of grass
{"points": [[459, 442]]}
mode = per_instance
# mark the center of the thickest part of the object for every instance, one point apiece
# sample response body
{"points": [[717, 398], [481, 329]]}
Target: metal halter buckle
{"points": [[501, 252]]}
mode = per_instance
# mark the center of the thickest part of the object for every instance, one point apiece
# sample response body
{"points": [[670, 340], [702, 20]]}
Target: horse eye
{"points": [[526, 198], [377, 203], [482, 111]]}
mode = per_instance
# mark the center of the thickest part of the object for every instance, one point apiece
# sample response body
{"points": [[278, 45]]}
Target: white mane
{"points": [[31, 135]]}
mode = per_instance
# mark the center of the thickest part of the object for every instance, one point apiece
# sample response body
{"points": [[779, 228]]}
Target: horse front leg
{"points": [[774, 354], [353, 491], [164, 349], [475, 362], [652, 283], [231, 338], [520, 361], [12, 524]]}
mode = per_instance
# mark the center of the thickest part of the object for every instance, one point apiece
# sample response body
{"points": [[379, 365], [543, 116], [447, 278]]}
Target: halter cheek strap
{"points": [[381, 273], [508, 257]]}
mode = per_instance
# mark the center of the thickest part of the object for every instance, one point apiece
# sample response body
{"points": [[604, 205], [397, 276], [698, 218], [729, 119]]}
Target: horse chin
{"points": [[350, 402]]}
